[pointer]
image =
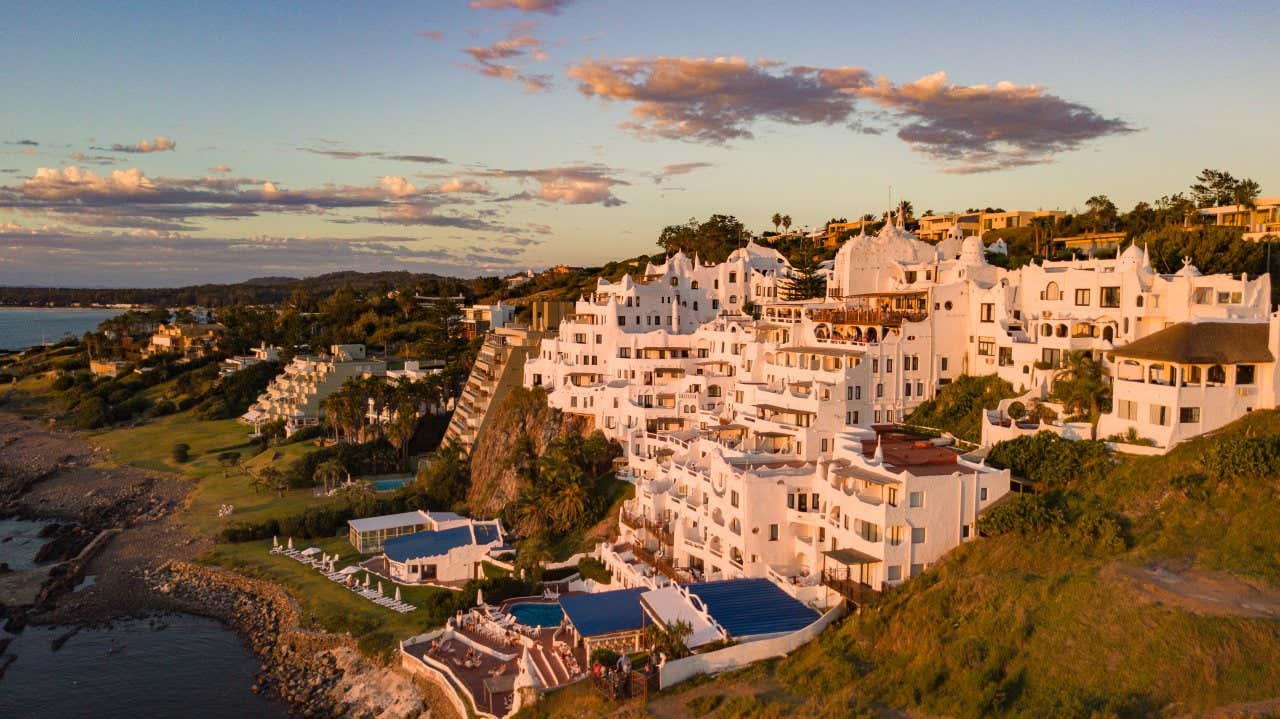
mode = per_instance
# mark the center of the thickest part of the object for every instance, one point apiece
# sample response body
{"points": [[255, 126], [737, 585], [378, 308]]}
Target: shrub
{"points": [[607, 657], [1243, 458], [181, 452], [592, 568], [958, 407], [1017, 410], [1050, 460]]}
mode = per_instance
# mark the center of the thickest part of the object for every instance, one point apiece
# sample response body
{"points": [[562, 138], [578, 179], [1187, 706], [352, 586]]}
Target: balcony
{"points": [[844, 583]]}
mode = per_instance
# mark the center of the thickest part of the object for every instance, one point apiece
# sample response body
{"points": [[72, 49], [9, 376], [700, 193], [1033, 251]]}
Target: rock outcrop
{"points": [[522, 420]]}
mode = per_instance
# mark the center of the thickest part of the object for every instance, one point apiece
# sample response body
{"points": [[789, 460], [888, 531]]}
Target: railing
{"points": [[662, 564], [857, 592]]}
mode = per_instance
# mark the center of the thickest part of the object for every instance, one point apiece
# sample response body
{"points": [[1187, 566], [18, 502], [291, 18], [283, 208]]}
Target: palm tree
{"points": [[904, 211], [777, 220], [330, 471], [571, 504], [403, 426], [786, 222], [1081, 385]]}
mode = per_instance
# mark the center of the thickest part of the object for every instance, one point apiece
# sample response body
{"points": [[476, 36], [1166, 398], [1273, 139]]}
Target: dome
{"points": [[1187, 269], [1132, 256]]}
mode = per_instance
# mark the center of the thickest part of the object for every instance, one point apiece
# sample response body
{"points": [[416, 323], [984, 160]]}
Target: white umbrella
{"points": [[397, 594], [290, 542], [366, 580], [275, 541], [480, 597]]}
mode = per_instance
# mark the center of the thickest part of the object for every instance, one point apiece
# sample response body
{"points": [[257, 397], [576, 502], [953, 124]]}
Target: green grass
{"points": [[328, 605]]}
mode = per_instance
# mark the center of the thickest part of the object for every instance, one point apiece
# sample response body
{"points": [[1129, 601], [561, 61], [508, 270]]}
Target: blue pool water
{"points": [[537, 615], [388, 485]]}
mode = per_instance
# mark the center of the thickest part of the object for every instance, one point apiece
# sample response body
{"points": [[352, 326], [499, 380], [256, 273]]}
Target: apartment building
{"points": [[935, 228], [298, 393], [1259, 222], [191, 341], [256, 355]]}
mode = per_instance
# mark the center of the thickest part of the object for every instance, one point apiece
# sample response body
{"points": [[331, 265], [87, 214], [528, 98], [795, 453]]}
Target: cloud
{"points": [[362, 154], [989, 127], [129, 198], [462, 185], [27, 143], [715, 100], [572, 185], [60, 256], [160, 144], [492, 60], [433, 35], [550, 7], [220, 170], [679, 168], [84, 159], [975, 128]]}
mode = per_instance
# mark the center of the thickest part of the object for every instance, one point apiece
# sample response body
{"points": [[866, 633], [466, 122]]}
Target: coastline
{"points": [[120, 525]]}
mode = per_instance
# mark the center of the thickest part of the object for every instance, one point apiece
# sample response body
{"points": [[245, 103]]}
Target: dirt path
{"points": [[1212, 593]]}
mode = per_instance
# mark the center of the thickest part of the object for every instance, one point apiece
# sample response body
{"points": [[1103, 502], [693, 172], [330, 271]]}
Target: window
{"points": [[791, 501], [1127, 409], [895, 535], [915, 500], [1006, 357], [894, 573], [1159, 415], [986, 346], [773, 532], [733, 497], [982, 494], [917, 535], [1244, 374], [888, 365], [1217, 375], [1082, 298], [1188, 415], [879, 390], [987, 312], [733, 277], [942, 364], [964, 531], [848, 394], [906, 389], [892, 498], [1109, 296], [857, 391], [917, 570]]}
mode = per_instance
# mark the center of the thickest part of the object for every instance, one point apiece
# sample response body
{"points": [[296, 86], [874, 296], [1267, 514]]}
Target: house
{"points": [[107, 368], [191, 341], [613, 620], [1191, 378], [450, 554], [1260, 222], [479, 319], [257, 355]]}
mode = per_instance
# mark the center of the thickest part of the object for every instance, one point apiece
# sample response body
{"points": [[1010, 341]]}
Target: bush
{"points": [[63, 382], [1243, 458], [1050, 460], [181, 452], [958, 407], [592, 568], [1017, 410], [607, 657]]}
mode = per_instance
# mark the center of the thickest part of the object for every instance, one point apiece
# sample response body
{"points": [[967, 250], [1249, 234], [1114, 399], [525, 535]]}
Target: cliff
{"points": [[522, 416]]}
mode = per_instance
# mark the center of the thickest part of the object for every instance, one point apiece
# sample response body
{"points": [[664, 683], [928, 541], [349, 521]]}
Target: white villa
{"points": [[296, 395], [256, 355]]}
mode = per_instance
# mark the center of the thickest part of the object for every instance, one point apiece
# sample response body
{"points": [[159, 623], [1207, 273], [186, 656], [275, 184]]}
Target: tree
{"points": [[806, 280], [1081, 385], [904, 212], [403, 426], [1246, 194], [1102, 213], [777, 221], [1213, 188], [711, 240], [330, 472], [786, 222]]}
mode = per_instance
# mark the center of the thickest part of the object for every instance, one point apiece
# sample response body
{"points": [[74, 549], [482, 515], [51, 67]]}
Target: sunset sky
{"points": [[164, 144]]}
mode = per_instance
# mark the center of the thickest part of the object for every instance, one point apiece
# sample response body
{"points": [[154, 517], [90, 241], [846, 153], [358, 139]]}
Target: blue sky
{"points": [[1130, 101]]}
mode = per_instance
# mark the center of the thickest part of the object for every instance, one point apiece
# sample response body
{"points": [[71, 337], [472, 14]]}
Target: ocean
{"points": [[167, 666], [22, 327]]}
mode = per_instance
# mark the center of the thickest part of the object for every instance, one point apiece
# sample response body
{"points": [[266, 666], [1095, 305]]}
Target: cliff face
{"points": [[522, 414]]}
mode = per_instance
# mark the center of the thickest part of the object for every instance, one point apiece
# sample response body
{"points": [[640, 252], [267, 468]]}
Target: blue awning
{"points": [[749, 607], [594, 615]]}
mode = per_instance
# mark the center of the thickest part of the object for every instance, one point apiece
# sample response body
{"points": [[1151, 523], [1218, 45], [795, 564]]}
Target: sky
{"points": [[161, 144]]}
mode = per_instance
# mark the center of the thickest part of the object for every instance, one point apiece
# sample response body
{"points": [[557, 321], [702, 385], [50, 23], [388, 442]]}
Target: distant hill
{"points": [[262, 290]]}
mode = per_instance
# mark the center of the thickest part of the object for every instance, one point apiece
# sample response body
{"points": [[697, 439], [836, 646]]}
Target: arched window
{"points": [[871, 334], [693, 285], [947, 305], [1052, 293], [714, 390], [1138, 301], [733, 299], [1046, 330], [1108, 333], [1217, 375], [1062, 330]]}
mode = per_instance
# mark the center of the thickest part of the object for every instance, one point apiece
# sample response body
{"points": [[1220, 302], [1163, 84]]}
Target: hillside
{"points": [[1061, 619]]}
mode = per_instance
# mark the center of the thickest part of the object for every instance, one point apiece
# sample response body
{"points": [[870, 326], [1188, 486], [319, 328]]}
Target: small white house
{"points": [[451, 555]]}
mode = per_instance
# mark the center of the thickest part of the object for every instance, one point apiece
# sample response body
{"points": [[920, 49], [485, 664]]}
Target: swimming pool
{"points": [[388, 485], [537, 614]]}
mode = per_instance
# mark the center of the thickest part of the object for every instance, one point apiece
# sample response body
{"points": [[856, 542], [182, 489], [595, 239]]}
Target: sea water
{"points": [[22, 327]]}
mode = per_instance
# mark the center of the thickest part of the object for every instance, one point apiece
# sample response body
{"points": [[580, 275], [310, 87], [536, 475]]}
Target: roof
{"points": [[427, 544], [486, 532], [750, 607], [668, 605], [388, 521], [594, 615], [1204, 343]]}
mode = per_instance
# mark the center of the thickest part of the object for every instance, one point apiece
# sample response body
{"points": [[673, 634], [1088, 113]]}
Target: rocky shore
{"points": [[119, 525], [315, 672]]}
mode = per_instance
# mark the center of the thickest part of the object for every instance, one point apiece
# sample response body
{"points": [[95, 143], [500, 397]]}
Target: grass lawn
{"points": [[333, 607], [150, 446]]}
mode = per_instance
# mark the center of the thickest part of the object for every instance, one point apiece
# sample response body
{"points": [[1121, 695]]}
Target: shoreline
{"points": [[125, 532]]}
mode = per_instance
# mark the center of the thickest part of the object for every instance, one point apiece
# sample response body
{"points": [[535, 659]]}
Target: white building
{"points": [[298, 393], [449, 555], [256, 355], [756, 440]]}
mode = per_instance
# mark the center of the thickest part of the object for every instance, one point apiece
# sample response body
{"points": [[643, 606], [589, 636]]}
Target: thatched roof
{"points": [[1204, 343]]}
